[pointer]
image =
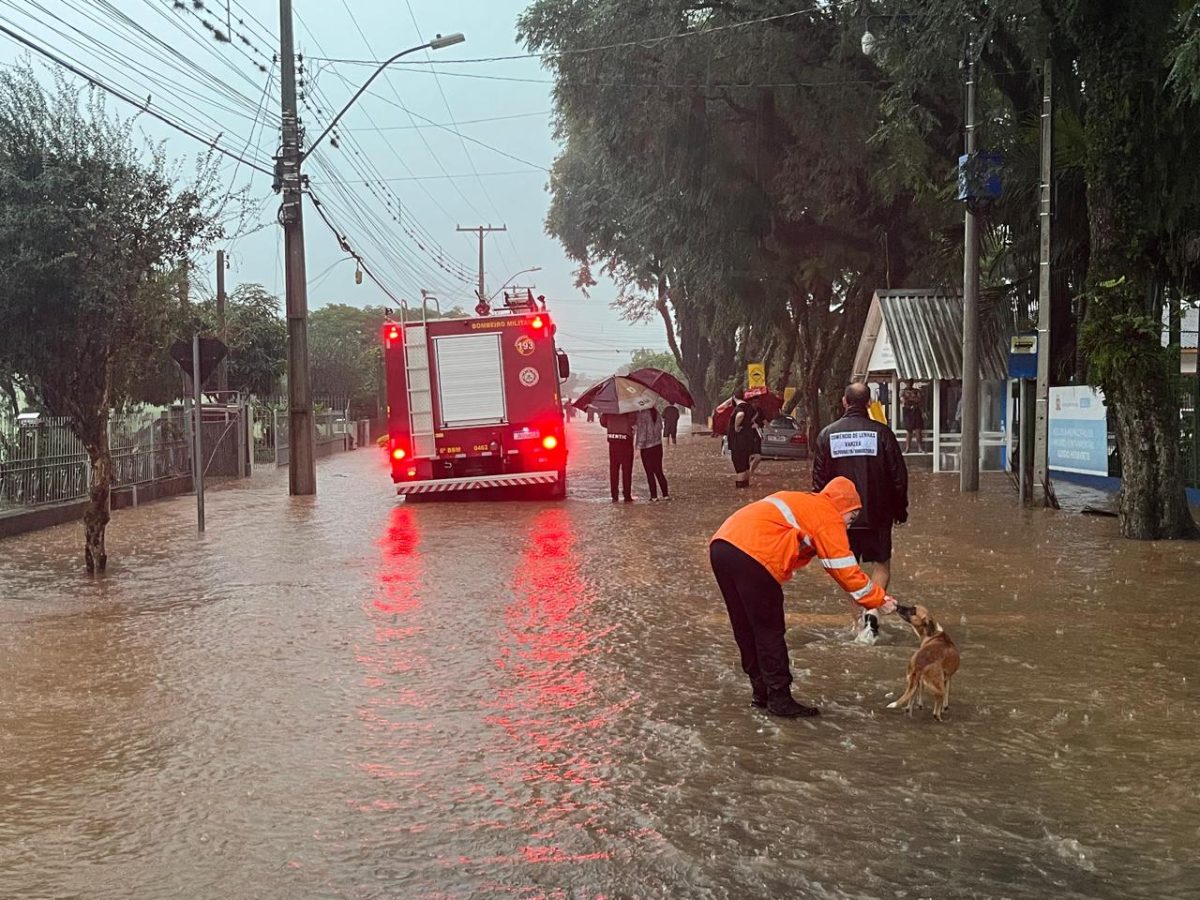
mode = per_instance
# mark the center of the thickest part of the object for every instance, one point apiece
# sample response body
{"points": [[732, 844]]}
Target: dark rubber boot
{"points": [[780, 703], [758, 697]]}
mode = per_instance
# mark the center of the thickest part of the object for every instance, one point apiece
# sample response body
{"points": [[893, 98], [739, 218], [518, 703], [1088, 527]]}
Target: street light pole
{"points": [[508, 280], [302, 472], [969, 462]]}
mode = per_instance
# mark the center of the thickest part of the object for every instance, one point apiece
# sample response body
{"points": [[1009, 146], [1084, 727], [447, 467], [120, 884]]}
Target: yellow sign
{"points": [[788, 394], [756, 375]]}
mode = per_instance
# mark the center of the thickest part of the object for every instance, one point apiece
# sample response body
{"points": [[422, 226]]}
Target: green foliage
{"points": [[92, 227], [257, 338], [346, 355], [654, 359]]}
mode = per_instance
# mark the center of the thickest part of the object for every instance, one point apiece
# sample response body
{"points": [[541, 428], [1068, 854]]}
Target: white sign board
{"points": [[883, 358], [1078, 431]]}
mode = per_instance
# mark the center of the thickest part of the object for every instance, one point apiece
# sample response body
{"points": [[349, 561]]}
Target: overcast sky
{"points": [[391, 160]]}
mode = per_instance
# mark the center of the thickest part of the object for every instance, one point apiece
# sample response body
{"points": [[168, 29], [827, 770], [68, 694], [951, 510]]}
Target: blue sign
{"points": [[1078, 431]]}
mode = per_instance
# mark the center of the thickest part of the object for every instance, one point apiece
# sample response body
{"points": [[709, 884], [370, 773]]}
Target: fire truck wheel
{"points": [[558, 490]]}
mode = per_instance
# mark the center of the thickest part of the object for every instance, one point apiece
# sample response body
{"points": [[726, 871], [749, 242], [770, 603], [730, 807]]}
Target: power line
{"points": [[143, 106], [487, 146], [528, 115], [643, 42], [439, 177], [436, 158], [462, 140]]}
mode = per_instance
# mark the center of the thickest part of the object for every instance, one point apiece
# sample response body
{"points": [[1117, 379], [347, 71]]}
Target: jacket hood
{"points": [[842, 494]]}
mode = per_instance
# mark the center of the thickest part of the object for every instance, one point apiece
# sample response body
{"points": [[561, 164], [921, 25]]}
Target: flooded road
{"points": [[350, 697]]}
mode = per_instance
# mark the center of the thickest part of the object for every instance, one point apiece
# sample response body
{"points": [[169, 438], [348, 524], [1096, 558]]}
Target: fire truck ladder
{"points": [[420, 389]]}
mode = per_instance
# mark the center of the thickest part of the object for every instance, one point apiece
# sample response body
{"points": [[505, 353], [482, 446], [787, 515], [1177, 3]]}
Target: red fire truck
{"points": [[474, 403]]}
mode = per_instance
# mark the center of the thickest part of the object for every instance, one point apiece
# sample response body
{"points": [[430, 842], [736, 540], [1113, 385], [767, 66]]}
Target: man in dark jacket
{"points": [[868, 453]]}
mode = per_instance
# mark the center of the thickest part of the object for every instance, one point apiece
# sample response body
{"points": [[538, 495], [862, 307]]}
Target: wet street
{"points": [[351, 697]]}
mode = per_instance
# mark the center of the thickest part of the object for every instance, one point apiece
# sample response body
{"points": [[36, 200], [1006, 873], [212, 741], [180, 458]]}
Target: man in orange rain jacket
{"points": [[757, 550]]}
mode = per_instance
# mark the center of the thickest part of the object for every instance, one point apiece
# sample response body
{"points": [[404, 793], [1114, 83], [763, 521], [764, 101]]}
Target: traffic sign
{"points": [[212, 351]]}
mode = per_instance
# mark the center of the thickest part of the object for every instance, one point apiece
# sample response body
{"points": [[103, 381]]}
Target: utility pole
{"points": [[481, 231], [222, 330], [302, 472], [1041, 470], [969, 462], [197, 429]]}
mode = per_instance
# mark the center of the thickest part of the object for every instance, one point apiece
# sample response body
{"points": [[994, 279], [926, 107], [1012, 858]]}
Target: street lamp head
{"points": [[869, 43], [448, 41]]}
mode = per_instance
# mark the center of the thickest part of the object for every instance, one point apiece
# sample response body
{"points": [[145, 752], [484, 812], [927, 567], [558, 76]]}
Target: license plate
{"points": [[776, 439]]}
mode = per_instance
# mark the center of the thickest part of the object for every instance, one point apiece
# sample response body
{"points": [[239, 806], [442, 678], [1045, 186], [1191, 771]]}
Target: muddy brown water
{"points": [[350, 697]]}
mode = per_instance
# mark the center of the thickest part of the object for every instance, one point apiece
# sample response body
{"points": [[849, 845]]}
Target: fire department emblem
{"points": [[525, 346], [529, 376]]}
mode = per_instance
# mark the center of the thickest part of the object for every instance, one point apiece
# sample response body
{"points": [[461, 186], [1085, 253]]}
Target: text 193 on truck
{"points": [[474, 404]]}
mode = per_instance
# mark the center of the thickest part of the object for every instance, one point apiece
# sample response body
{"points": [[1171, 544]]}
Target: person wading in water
{"points": [[756, 550]]}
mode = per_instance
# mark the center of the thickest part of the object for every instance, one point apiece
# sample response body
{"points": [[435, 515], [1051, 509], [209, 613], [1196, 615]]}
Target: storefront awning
{"points": [[917, 333]]}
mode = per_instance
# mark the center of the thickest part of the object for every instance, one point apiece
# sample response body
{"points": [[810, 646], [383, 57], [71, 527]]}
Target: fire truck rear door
{"points": [[470, 374]]}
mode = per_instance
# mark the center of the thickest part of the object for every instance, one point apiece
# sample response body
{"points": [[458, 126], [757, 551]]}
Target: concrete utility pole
{"points": [[302, 469], [1041, 471], [197, 429], [481, 230], [969, 462], [222, 330]]}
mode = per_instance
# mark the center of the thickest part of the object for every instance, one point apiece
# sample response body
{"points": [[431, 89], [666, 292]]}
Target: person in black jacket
{"points": [[868, 453]]}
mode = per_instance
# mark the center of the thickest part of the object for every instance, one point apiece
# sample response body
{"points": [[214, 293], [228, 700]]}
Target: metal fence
{"points": [[43, 462], [271, 431]]}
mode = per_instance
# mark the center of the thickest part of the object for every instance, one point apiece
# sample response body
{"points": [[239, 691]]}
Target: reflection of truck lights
{"points": [[538, 323], [549, 442], [399, 453]]}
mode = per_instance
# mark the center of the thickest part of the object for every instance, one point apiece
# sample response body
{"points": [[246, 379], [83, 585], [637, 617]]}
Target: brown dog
{"points": [[932, 665]]}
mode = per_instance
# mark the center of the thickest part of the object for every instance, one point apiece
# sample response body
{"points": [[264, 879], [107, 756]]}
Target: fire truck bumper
{"points": [[445, 485]]}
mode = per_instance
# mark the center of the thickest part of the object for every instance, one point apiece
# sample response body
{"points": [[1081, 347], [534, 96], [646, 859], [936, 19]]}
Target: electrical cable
{"points": [[138, 104]]}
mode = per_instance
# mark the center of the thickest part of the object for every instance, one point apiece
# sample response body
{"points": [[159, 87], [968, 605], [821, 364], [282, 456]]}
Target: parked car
{"points": [[784, 438]]}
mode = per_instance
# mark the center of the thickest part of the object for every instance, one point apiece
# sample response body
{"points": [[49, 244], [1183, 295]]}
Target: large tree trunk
{"points": [[1123, 317], [99, 510]]}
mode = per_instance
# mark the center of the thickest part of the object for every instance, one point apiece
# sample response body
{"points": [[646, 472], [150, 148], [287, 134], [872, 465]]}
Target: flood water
{"points": [[351, 697]]}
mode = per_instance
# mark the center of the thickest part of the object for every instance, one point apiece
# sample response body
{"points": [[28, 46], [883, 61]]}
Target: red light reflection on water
{"points": [[549, 774], [391, 655]]}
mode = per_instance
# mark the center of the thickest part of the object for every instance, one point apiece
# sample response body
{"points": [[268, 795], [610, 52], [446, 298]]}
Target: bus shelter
{"points": [[912, 340]]}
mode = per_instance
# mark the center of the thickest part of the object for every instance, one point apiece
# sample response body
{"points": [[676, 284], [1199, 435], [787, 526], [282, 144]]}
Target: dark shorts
{"points": [[741, 459], [914, 419], [871, 544]]}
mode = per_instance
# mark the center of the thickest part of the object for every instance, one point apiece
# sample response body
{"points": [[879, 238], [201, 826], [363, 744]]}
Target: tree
{"points": [[346, 356], [257, 338], [93, 224], [727, 181], [1126, 187], [655, 359]]}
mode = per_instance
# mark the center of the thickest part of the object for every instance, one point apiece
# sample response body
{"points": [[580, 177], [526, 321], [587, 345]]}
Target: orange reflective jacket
{"points": [[787, 530]]}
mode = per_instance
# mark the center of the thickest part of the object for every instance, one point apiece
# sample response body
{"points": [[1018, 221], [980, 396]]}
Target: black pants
{"points": [[754, 600], [620, 460], [652, 460]]}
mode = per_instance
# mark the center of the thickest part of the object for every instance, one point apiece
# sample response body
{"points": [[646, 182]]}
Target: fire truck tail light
{"points": [[412, 473], [549, 442], [538, 323], [393, 334], [399, 453]]}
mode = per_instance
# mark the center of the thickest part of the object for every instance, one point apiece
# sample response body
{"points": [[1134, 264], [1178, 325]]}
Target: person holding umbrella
{"points": [[756, 551], [740, 438], [620, 453], [618, 398], [649, 442]]}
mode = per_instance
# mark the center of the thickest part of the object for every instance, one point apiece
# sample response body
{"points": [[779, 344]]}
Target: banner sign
{"points": [[1078, 431]]}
